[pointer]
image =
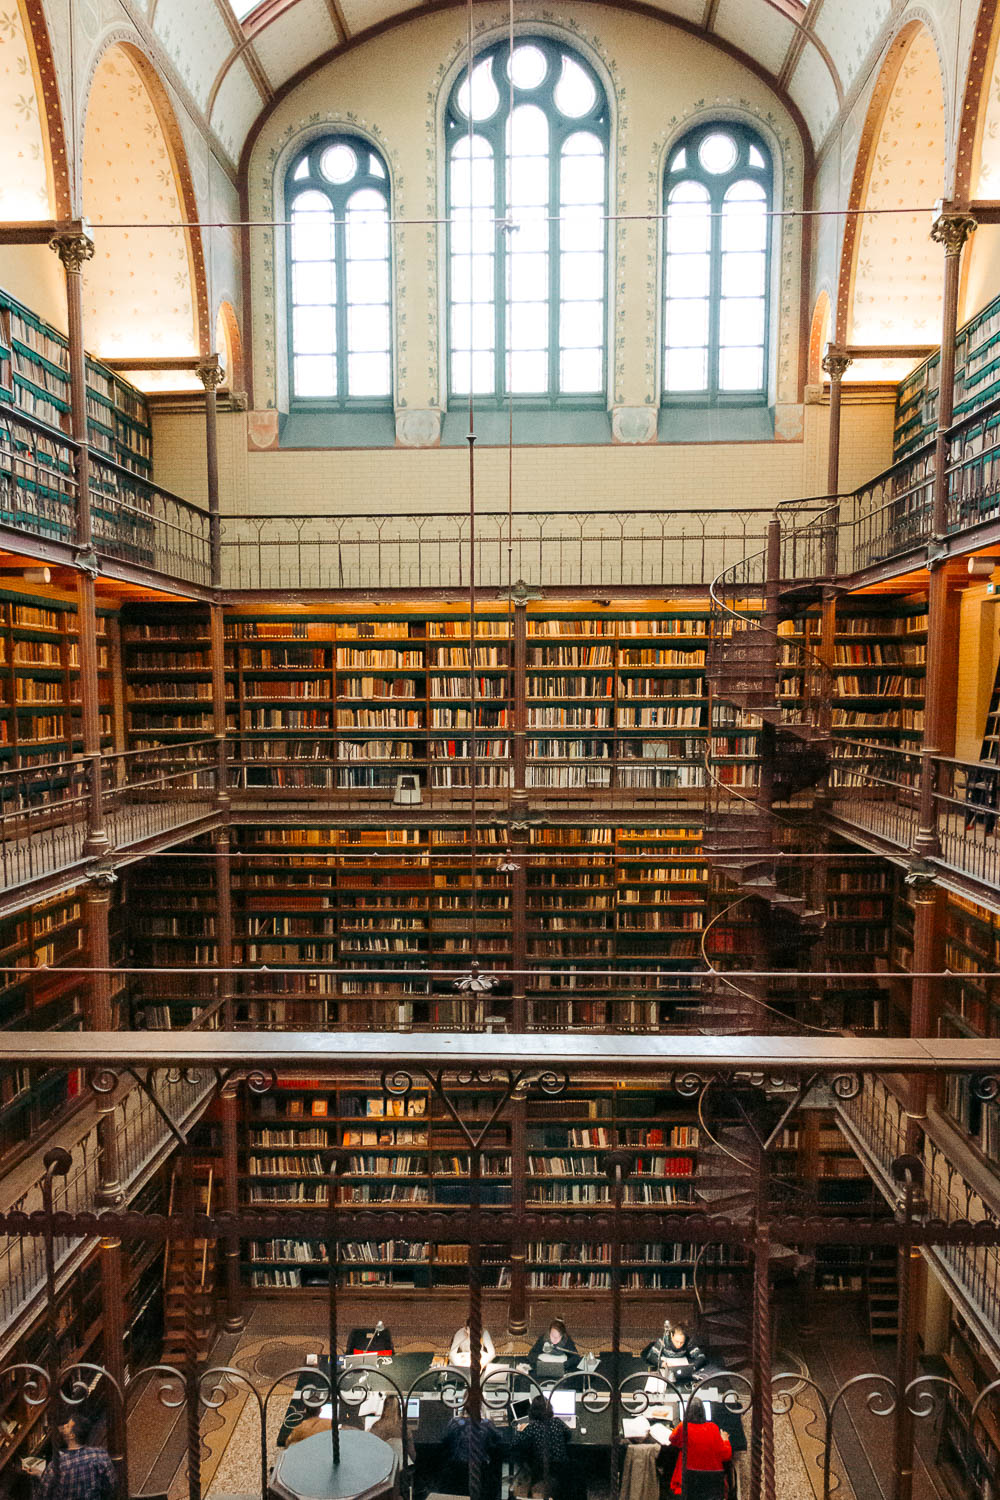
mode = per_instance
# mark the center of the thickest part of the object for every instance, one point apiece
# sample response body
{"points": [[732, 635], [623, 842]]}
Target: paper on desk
{"points": [[655, 1386], [635, 1427], [659, 1433]]}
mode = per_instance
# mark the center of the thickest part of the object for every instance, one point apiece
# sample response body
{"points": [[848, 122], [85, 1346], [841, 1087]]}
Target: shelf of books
{"points": [[977, 382], [171, 904], [40, 673], [35, 944], [971, 1453], [409, 1150], [879, 664], [35, 359], [611, 914], [857, 938], [970, 1009], [168, 675]]}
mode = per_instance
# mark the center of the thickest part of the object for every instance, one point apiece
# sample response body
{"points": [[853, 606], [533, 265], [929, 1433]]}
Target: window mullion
{"points": [[501, 247], [716, 200], [556, 137], [340, 272]]}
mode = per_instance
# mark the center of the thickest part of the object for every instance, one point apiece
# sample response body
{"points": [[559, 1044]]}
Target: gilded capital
{"points": [[952, 229], [836, 362], [74, 248], [210, 372]]}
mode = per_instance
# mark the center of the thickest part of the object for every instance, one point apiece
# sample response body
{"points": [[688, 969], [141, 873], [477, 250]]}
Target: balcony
{"points": [[132, 520], [48, 810]]}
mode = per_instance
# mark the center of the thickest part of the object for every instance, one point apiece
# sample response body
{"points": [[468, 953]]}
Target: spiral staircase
{"points": [[764, 913]]}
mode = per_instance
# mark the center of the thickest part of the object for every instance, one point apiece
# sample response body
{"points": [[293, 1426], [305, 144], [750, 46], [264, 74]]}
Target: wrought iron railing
{"points": [[654, 548], [508, 1069], [132, 519], [142, 1134], [876, 787], [47, 809]]}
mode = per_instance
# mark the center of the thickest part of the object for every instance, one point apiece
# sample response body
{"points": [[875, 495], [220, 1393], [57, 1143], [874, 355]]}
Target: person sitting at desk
{"points": [[555, 1346], [674, 1350], [455, 1448], [706, 1449], [543, 1447], [460, 1353]]}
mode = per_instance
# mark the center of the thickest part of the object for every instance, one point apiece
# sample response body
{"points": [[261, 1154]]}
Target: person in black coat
{"points": [[455, 1448], [554, 1343], [674, 1343], [543, 1447]]}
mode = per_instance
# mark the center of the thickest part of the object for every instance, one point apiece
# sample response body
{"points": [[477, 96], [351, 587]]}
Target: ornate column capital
{"points": [[836, 362], [210, 372], [74, 246], [951, 228]]}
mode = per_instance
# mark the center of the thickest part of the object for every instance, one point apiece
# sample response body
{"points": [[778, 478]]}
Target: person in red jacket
{"points": [[707, 1447]]}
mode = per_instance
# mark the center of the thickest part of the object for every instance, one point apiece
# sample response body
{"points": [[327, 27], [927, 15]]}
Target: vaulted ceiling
{"points": [[234, 55]]}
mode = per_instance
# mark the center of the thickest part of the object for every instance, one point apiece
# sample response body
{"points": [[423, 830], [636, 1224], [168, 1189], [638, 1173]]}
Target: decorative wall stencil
{"points": [[813, 89], [633, 424], [849, 30], [898, 268], [139, 290], [197, 40], [788, 422], [262, 429], [24, 182], [418, 429], [290, 42], [237, 105]]}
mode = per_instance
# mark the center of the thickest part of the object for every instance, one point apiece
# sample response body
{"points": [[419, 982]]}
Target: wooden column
{"points": [[74, 248], [835, 364], [99, 1016], [951, 229], [517, 1310], [926, 953], [940, 689], [210, 373], [113, 1298]]}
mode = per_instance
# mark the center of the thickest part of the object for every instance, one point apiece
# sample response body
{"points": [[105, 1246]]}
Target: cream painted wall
{"points": [[33, 274], [660, 79]]}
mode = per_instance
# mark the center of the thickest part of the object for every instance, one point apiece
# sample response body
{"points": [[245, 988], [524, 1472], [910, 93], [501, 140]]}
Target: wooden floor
{"points": [[281, 1330]]}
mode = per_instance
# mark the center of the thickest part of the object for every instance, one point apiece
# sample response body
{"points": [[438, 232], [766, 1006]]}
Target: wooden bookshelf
{"points": [[40, 703], [858, 937], [168, 675], [972, 1455], [409, 1151]]}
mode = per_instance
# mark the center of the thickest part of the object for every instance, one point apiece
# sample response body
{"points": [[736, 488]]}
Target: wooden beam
{"points": [[889, 351]]}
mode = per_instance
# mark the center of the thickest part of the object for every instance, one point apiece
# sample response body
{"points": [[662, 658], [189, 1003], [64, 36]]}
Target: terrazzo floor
{"points": [[277, 1339]]}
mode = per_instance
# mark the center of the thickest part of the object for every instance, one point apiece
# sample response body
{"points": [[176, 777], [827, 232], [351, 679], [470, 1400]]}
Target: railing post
{"points": [[99, 1016], [940, 686], [925, 956], [951, 228], [517, 1310], [211, 375], [835, 364], [908, 1172], [74, 247], [113, 1348]]}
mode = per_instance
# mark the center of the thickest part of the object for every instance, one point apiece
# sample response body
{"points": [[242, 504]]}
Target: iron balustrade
{"points": [[142, 1135], [46, 809], [621, 548], [876, 787], [132, 519], [939, 1220], [141, 523]]}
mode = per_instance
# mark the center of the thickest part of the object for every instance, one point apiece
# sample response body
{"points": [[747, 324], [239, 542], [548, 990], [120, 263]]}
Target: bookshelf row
{"points": [[40, 693]]}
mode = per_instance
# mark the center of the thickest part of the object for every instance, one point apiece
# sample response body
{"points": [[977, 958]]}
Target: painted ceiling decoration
{"points": [[234, 55], [128, 174]]}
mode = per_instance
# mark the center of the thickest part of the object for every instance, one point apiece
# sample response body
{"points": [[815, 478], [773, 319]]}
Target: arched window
{"points": [[717, 200], [527, 304], [337, 198]]}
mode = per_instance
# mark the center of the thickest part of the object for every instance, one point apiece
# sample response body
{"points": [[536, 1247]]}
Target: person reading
{"points": [[674, 1352], [704, 1447], [460, 1353], [555, 1350]]}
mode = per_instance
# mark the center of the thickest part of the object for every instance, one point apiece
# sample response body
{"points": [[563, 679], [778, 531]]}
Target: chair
{"points": [[703, 1484]]}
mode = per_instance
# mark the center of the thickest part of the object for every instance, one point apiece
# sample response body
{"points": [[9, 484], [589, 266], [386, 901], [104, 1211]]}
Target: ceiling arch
{"points": [[892, 271], [134, 168], [235, 58]]}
